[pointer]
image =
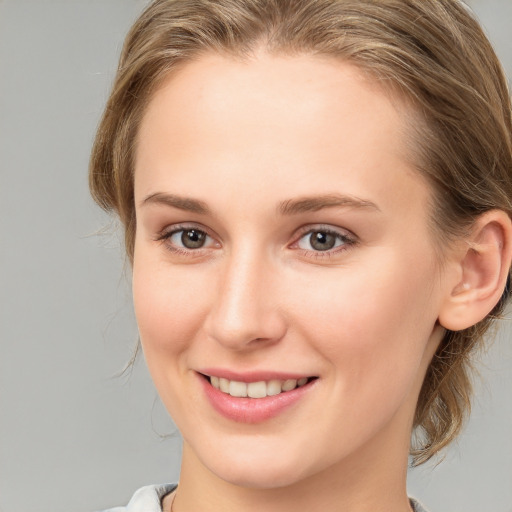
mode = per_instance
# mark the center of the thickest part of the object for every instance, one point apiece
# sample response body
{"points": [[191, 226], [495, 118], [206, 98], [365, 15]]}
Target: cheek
{"points": [[367, 306], [168, 305], [373, 326]]}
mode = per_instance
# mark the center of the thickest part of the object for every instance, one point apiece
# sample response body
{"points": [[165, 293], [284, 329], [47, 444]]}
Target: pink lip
{"points": [[253, 410]]}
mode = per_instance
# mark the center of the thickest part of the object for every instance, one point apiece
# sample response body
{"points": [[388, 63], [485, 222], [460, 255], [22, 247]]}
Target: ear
{"points": [[481, 271]]}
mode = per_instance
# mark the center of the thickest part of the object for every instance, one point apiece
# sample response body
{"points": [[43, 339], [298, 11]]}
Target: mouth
{"points": [[254, 397], [256, 390]]}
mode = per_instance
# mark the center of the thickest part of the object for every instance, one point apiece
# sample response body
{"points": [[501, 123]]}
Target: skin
{"points": [[243, 138]]}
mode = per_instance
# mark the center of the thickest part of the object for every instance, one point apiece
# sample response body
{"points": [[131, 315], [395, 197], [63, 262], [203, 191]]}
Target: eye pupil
{"points": [[322, 241], [193, 238]]}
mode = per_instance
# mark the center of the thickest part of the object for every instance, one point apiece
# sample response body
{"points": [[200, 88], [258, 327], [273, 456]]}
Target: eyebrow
{"points": [[182, 203], [288, 207], [316, 203]]}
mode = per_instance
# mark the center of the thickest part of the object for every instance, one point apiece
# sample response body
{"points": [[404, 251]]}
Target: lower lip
{"points": [[253, 410]]}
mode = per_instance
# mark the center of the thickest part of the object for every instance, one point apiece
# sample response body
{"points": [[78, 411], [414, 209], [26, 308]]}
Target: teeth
{"points": [[289, 384], [238, 389], [224, 385], [274, 387], [259, 389]]}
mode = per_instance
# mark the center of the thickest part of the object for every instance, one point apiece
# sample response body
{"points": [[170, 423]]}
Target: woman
{"points": [[315, 197]]}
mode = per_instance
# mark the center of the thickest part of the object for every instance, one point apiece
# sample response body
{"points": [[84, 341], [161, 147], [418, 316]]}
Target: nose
{"points": [[247, 312]]}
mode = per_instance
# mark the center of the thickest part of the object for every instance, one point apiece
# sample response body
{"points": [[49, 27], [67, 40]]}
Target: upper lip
{"points": [[252, 376]]}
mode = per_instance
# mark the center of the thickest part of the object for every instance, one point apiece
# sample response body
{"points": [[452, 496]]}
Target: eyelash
{"points": [[347, 240]]}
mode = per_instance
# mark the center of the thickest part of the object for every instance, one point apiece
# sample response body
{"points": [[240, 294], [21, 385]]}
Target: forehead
{"points": [[214, 94], [313, 122]]}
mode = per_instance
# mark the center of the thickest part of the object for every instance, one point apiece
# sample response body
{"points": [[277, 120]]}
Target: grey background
{"points": [[72, 435]]}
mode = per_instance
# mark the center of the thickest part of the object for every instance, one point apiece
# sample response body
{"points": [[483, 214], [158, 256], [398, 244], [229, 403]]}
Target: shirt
{"points": [[149, 498]]}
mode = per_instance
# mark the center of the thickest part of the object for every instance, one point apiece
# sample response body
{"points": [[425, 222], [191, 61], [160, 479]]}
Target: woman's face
{"points": [[283, 242]]}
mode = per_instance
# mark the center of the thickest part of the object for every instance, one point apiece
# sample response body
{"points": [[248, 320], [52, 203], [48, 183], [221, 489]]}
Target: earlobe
{"points": [[483, 268]]}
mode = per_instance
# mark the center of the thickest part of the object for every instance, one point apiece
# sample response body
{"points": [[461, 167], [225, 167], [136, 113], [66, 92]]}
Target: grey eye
{"points": [[193, 239], [189, 238], [321, 241]]}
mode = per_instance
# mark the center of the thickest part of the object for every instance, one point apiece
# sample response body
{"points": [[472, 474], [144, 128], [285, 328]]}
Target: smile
{"points": [[254, 398], [259, 389]]}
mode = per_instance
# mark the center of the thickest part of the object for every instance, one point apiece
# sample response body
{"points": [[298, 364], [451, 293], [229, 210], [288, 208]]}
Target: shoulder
{"points": [[146, 499], [416, 506]]}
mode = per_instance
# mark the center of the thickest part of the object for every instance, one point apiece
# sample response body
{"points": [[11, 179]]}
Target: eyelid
{"points": [[328, 228]]}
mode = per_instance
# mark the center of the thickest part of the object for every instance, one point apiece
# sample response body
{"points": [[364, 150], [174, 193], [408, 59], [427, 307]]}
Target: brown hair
{"points": [[432, 51]]}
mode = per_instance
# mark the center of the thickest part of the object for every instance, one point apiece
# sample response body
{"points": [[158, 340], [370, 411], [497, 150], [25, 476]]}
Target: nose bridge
{"points": [[245, 311]]}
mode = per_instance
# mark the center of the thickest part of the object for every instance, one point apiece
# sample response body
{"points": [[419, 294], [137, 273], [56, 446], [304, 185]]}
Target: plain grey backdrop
{"points": [[72, 435]]}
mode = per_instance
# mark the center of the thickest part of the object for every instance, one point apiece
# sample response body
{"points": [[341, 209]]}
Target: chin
{"points": [[258, 478], [268, 469]]}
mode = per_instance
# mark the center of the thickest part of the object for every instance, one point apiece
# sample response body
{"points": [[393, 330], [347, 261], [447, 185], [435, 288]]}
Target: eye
{"points": [[323, 240], [186, 239], [189, 238]]}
